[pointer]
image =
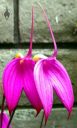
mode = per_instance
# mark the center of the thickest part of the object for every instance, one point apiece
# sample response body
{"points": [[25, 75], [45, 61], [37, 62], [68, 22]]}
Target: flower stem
{"points": [[42, 120], [11, 117], [2, 109]]}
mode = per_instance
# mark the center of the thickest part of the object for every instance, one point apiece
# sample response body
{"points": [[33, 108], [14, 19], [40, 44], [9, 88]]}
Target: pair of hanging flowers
{"points": [[38, 77]]}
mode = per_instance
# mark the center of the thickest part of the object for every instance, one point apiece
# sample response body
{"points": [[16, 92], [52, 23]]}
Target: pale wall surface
{"points": [[6, 21], [62, 15]]}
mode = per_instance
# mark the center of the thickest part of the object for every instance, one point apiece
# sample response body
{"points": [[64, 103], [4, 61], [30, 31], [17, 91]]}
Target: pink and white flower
{"points": [[50, 75], [18, 76]]}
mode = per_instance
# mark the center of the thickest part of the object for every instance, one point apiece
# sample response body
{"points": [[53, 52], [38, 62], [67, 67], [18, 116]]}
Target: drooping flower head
{"points": [[18, 76], [49, 75], [5, 121]]}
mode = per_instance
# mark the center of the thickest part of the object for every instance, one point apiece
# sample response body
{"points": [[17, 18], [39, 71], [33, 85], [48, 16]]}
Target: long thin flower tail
{"points": [[29, 54], [51, 31]]}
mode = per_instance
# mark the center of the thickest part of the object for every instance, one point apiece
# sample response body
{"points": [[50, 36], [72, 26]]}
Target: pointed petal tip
{"points": [[46, 114], [37, 113], [10, 111], [46, 119], [30, 87], [61, 83], [69, 114], [44, 87], [70, 106], [12, 83]]}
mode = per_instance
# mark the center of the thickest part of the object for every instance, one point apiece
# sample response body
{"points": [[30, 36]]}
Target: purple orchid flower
{"points": [[49, 75], [5, 121], [18, 76]]}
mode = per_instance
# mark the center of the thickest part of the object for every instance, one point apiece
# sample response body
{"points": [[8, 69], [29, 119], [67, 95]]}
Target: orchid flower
{"points": [[5, 121], [50, 75], [18, 76]]}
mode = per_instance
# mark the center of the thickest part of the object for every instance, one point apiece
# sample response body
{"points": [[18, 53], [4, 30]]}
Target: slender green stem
{"points": [[2, 109], [11, 117], [42, 120]]}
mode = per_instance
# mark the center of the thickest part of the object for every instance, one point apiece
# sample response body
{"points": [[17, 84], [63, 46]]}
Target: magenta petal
{"points": [[29, 85], [44, 87], [12, 83], [5, 121], [61, 83]]}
